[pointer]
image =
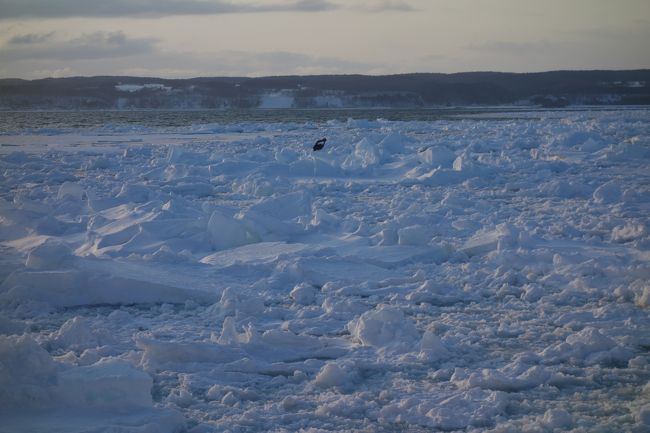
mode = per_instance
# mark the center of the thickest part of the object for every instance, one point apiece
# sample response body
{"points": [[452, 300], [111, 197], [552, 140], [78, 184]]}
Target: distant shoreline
{"points": [[332, 92], [464, 109]]}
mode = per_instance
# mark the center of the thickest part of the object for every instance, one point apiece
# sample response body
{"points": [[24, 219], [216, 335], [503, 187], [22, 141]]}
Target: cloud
{"points": [[384, 6], [284, 63], [109, 58], [12, 9], [31, 38], [244, 63], [304, 6], [16, 9], [597, 48], [98, 45], [515, 47]]}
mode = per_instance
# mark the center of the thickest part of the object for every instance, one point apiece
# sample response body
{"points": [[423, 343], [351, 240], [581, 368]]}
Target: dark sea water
{"points": [[22, 121]]}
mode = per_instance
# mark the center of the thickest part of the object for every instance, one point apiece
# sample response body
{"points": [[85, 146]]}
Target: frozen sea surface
{"points": [[486, 274]]}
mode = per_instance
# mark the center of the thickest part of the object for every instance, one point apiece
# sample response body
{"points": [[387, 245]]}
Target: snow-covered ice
{"points": [[483, 274]]}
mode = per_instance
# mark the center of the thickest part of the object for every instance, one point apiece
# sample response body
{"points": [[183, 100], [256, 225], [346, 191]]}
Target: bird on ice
{"points": [[319, 144]]}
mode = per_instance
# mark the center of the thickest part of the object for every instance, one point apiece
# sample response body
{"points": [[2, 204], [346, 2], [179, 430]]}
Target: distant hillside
{"points": [[551, 89]]}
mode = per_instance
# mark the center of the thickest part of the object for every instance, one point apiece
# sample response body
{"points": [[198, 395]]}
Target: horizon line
{"points": [[332, 75]]}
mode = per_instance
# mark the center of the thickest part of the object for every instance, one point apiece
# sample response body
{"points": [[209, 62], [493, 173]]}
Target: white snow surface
{"points": [[456, 275]]}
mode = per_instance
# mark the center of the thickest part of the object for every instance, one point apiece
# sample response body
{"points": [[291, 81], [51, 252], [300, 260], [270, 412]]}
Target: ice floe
{"points": [[454, 275]]}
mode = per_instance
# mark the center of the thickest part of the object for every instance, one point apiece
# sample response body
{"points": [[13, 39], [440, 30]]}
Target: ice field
{"points": [[487, 274]]}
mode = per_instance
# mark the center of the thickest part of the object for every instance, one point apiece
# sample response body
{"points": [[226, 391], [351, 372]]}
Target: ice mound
{"points": [[141, 229], [449, 411], [134, 193], [485, 241], [413, 235], [38, 389], [469, 166], [643, 296], [50, 255], [160, 355], [231, 394], [394, 143], [258, 186], [349, 407], [437, 156], [304, 294], [385, 327], [71, 287], [71, 191], [579, 139], [276, 218], [28, 375], [589, 347], [324, 220], [365, 155], [631, 149], [78, 334], [275, 345], [432, 348], [100, 163], [285, 155], [178, 154], [558, 419], [437, 294], [335, 375], [508, 379], [285, 206], [256, 351], [226, 232], [233, 303], [643, 416], [608, 193], [186, 172], [628, 232], [564, 189], [258, 253], [112, 384], [436, 177]]}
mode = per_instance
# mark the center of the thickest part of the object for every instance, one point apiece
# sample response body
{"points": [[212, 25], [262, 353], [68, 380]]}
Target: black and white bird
{"points": [[320, 144]]}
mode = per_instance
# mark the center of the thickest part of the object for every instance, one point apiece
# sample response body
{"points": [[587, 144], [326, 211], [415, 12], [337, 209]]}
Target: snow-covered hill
{"points": [[548, 89]]}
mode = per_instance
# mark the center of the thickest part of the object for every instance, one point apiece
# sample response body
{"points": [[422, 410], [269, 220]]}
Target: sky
{"points": [[190, 38]]}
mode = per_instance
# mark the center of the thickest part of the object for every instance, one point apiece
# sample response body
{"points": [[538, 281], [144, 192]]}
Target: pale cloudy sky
{"points": [[188, 38]]}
